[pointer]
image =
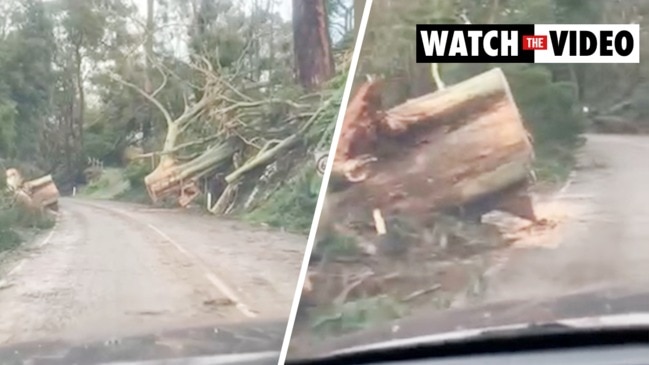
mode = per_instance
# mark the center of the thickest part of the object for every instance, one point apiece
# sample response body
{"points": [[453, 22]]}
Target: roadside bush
{"points": [[136, 192], [96, 185], [13, 219], [9, 238], [135, 173], [293, 205], [550, 109], [551, 113]]}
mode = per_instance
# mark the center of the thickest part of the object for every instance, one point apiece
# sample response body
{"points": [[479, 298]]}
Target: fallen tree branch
{"points": [[266, 156], [182, 146], [418, 293], [349, 286], [150, 98]]}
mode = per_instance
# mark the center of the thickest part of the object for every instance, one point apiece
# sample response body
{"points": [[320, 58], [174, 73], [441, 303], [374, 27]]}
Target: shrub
{"points": [[548, 108], [135, 173]]}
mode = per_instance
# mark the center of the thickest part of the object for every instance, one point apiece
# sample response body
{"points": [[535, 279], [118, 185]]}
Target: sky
{"points": [[284, 7], [178, 44]]}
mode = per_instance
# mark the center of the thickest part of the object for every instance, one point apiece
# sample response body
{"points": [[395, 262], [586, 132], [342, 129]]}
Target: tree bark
{"points": [[312, 45], [43, 192], [445, 150], [169, 178], [148, 55], [77, 120]]}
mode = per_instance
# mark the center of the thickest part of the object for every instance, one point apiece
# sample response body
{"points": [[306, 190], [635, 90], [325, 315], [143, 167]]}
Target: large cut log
{"points": [[36, 194], [43, 192], [446, 150], [180, 180]]}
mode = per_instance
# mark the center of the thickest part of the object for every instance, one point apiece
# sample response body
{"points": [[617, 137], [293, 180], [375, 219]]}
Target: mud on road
{"points": [[111, 269]]}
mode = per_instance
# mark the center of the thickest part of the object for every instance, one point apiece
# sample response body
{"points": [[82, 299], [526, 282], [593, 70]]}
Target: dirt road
{"points": [[110, 269], [603, 234]]}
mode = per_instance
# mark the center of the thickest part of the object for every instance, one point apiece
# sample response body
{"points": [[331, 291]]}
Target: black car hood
{"points": [[596, 303], [257, 342]]}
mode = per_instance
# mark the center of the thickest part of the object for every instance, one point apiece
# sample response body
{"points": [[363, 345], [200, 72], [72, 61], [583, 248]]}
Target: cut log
{"points": [[172, 179], [446, 149], [36, 194], [43, 192], [24, 201]]}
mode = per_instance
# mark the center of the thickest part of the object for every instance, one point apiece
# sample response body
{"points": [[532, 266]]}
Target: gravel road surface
{"points": [[111, 269]]}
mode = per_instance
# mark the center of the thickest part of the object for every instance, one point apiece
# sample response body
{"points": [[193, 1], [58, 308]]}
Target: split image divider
{"points": [[326, 176]]}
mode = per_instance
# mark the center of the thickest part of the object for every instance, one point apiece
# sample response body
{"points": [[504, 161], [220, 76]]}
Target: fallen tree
{"points": [[461, 148], [234, 133], [35, 195]]}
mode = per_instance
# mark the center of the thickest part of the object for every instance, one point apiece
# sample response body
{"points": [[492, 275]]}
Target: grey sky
{"points": [[284, 7]]}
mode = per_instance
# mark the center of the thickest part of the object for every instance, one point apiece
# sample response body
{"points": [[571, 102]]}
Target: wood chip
{"points": [[379, 222], [421, 292]]}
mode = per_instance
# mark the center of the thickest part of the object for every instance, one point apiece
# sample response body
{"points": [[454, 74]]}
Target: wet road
{"points": [[603, 236], [594, 262], [110, 269]]}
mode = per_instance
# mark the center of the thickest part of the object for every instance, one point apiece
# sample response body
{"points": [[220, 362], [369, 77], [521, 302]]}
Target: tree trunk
{"points": [[81, 93], [313, 57], [43, 192], [170, 178], [78, 119], [446, 150], [148, 54]]}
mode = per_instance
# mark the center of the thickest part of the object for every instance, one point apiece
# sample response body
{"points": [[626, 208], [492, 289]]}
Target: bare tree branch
{"points": [[150, 98]]}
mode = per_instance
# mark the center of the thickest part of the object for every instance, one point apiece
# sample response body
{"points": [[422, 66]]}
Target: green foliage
{"points": [[356, 315], [135, 173], [95, 186], [61, 90], [554, 162], [335, 245], [126, 184], [578, 11], [9, 238], [7, 127], [549, 108], [26, 73], [321, 134], [106, 139], [13, 219], [341, 18], [292, 205]]}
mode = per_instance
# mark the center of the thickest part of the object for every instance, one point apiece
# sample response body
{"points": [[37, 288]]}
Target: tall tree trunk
{"points": [[313, 58], [148, 53], [464, 147], [78, 120]]}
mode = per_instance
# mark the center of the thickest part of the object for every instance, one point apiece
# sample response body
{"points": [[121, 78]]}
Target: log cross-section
{"points": [[446, 149]]}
